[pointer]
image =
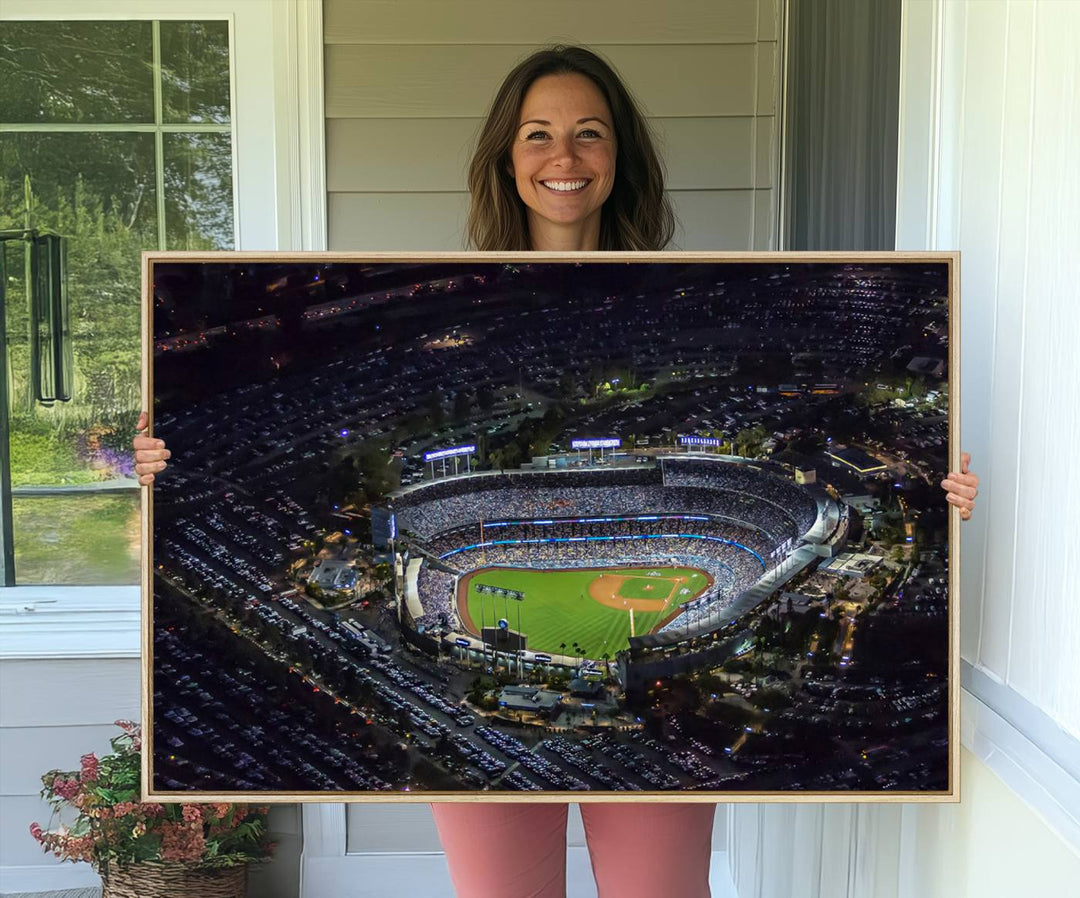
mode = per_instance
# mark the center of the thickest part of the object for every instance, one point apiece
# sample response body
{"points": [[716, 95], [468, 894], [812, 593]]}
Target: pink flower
{"points": [[153, 809], [191, 814], [89, 767], [65, 788], [36, 831], [181, 842], [123, 808]]}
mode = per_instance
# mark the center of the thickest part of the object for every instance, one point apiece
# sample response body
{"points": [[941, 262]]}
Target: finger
{"points": [[141, 443], [144, 421], [954, 479], [146, 479], [959, 501], [965, 514], [150, 467], [145, 455], [965, 461], [961, 489]]}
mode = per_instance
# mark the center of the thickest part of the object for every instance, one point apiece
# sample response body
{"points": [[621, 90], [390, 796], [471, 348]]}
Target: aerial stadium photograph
{"points": [[662, 525]]}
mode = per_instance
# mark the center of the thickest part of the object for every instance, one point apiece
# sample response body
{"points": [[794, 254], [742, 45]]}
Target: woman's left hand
{"points": [[962, 487]]}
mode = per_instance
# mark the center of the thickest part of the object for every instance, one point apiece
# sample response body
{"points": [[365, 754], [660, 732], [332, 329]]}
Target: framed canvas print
{"points": [[548, 527]]}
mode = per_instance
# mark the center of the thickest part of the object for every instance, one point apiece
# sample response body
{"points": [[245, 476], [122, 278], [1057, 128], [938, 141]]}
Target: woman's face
{"points": [[563, 156]]}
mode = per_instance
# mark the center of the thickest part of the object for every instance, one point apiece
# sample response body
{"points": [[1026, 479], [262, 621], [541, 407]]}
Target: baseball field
{"points": [[589, 606]]}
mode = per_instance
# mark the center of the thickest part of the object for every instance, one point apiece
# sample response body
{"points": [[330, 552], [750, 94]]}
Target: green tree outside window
{"points": [[117, 136]]}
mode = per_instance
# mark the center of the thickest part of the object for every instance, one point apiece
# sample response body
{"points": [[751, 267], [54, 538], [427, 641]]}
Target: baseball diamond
{"points": [[587, 606]]}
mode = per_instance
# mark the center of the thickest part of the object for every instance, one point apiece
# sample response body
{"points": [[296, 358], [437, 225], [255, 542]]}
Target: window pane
{"points": [[195, 71], [98, 191], [77, 540], [198, 191], [76, 72]]}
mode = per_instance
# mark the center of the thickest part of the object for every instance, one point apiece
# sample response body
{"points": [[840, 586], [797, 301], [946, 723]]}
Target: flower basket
{"points": [[173, 881], [149, 849]]}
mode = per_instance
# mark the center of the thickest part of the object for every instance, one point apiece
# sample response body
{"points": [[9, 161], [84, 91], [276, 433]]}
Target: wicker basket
{"points": [[174, 881]]}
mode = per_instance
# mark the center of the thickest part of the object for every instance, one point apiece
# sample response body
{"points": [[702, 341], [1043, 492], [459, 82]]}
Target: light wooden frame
{"points": [[951, 794]]}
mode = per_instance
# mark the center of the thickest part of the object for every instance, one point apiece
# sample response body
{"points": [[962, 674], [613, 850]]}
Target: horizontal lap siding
{"points": [[52, 712], [460, 80], [380, 155], [408, 84], [526, 23]]}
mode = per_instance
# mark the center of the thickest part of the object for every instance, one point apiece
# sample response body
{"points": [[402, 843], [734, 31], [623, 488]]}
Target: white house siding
{"points": [[52, 711], [408, 83]]}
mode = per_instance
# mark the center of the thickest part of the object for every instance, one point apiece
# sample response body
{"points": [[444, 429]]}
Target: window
{"points": [[118, 136]]}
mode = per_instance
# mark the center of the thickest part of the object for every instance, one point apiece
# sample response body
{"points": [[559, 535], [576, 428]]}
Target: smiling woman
{"points": [[563, 160], [560, 118]]}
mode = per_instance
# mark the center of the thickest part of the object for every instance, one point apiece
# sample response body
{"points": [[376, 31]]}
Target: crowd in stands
{"points": [[612, 536], [781, 510], [435, 589], [707, 474]]}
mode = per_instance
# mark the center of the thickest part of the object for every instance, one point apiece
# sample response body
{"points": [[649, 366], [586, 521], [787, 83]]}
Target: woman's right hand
{"points": [[150, 453]]}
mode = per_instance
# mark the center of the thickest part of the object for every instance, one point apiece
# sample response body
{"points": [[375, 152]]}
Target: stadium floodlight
{"points": [[503, 592], [606, 443], [449, 453], [691, 440]]}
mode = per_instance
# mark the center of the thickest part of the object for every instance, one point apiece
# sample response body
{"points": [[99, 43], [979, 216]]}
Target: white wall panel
{"points": [[438, 81], [28, 752], [393, 827], [765, 151], [429, 222], [766, 220], [1003, 186], [517, 22], [713, 219], [432, 154], [66, 693], [769, 12], [980, 175], [1045, 633], [1013, 192]]}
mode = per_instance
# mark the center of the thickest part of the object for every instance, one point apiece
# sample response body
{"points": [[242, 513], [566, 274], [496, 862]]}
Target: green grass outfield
{"points": [[558, 609]]}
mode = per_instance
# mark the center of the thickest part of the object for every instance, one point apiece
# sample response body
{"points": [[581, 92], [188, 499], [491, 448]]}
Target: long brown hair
{"points": [[637, 214]]}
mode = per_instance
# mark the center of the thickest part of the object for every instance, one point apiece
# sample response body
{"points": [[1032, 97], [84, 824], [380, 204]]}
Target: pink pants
{"points": [[518, 850]]}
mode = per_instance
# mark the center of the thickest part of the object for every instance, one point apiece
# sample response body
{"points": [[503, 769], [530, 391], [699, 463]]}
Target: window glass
{"points": [[83, 539], [57, 72], [116, 180], [198, 191], [195, 71]]}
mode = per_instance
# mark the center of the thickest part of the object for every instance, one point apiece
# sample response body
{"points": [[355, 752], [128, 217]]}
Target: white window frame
{"points": [[276, 58]]}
